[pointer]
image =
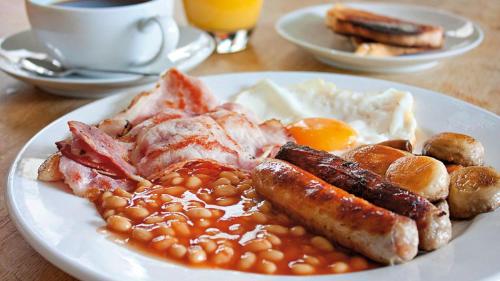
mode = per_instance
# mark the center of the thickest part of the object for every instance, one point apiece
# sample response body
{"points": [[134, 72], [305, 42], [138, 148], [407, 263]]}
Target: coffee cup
{"points": [[104, 34]]}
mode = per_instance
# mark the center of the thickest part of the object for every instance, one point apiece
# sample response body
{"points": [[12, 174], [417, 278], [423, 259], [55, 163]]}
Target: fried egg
{"points": [[319, 115]]}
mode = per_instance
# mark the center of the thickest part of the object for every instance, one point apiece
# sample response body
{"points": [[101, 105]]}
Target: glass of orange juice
{"points": [[230, 22]]}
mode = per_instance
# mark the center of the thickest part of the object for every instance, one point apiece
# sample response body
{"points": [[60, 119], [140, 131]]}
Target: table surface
{"points": [[473, 77]]}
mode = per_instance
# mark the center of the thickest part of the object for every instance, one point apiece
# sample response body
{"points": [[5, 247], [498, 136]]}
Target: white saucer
{"points": [[306, 28], [198, 44]]}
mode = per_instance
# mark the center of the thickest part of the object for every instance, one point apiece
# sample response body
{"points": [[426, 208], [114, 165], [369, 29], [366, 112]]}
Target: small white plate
{"points": [[64, 228], [306, 28], [198, 46]]}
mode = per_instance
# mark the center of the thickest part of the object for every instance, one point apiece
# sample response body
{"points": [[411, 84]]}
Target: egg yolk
{"points": [[323, 133]]}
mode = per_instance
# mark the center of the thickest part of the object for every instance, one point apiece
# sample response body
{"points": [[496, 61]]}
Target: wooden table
{"points": [[24, 110]]}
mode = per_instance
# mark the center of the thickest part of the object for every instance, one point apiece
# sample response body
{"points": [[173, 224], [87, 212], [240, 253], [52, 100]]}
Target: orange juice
{"points": [[223, 15]]}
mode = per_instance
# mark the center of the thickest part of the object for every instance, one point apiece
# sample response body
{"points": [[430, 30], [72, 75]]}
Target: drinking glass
{"points": [[230, 22]]}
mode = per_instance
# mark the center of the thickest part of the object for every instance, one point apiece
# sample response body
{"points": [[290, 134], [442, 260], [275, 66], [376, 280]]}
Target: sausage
{"points": [[433, 225], [342, 217]]}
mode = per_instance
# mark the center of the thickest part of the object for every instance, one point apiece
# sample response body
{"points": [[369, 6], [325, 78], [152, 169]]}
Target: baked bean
{"points": [[247, 260], [243, 186], [173, 207], [199, 213], [177, 250], [152, 204], [266, 266], [105, 195], [311, 260], [230, 176], [177, 180], [169, 176], [225, 190], [258, 245], [143, 183], [221, 181], [208, 245], [175, 190], [122, 193], [258, 217], [181, 228], [203, 223], [226, 201], [272, 255], [216, 213], [165, 230], [196, 254], [165, 198], [153, 219], [358, 263], [302, 268], [141, 234], [205, 197], [174, 217], [118, 223], [163, 242], [297, 231], [321, 243], [275, 240], [276, 229], [193, 182], [108, 213], [339, 267], [223, 255], [114, 201]]}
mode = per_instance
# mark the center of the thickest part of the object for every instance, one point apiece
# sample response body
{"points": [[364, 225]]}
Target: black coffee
{"points": [[97, 3]]}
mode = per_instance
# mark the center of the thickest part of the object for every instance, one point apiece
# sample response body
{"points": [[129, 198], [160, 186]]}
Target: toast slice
{"points": [[383, 29], [370, 48]]}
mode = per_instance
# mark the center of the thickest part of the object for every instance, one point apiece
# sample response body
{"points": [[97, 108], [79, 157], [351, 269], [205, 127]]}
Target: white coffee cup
{"points": [[105, 37]]}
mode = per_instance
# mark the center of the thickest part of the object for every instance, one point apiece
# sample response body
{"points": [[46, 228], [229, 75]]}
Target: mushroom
{"points": [[455, 148], [422, 175], [375, 158], [404, 145], [473, 190]]}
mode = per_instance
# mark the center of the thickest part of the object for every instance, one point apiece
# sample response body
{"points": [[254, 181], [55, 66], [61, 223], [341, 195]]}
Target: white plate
{"points": [[63, 227], [198, 46], [306, 28]]}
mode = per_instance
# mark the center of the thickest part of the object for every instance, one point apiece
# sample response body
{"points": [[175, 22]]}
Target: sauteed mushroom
{"points": [[375, 158], [455, 148], [474, 190], [404, 145], [423, 175]]}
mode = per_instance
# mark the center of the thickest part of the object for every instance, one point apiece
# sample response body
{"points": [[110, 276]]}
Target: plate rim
{"points": [[83, 272], [278, 26]]}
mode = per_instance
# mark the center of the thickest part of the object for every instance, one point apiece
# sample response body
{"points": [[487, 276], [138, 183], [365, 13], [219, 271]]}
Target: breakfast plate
{"points": [[66, 229], [194, 47], [307, 29]]}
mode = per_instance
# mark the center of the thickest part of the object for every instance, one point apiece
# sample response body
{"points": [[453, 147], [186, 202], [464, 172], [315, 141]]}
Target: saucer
{"points": [[194, 47], [306, 28]]}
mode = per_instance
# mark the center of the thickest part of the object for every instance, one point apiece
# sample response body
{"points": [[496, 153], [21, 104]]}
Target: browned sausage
{"points": [[433, 225], [351, 221]]}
